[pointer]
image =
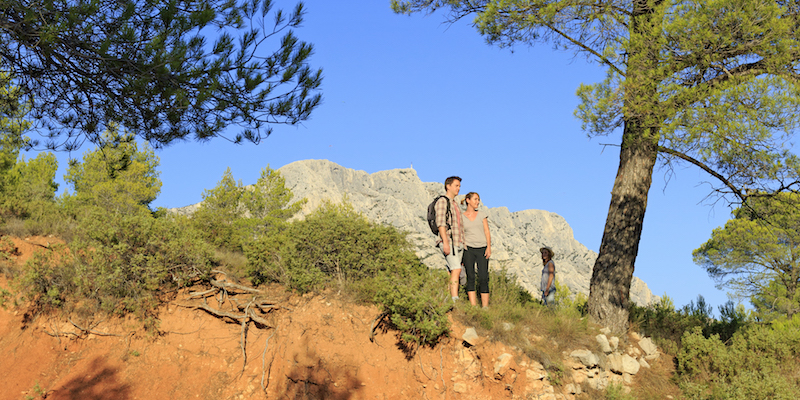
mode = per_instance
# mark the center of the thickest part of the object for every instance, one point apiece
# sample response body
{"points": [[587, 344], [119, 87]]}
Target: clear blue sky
{"points": [[402, 91]]}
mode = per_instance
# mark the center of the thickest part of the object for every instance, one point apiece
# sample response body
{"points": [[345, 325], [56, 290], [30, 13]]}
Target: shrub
{"points": [[416, 303], [667, 325], [335, 245], [118, 264], [337, 248], [761, 362], [47, 280]]}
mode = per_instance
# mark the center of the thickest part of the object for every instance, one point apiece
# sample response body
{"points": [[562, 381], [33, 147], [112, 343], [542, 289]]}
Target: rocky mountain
{"points": [[399, 198]]}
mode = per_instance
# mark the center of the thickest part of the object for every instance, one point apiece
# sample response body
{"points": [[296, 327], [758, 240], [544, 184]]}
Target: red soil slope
{"points": [[316, 347]]}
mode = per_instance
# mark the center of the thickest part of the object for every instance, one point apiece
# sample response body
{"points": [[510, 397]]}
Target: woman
{"points": [[548, 285], [479, 248]]}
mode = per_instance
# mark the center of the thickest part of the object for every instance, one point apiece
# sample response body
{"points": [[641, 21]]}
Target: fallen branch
{"points": [[227, 286]]}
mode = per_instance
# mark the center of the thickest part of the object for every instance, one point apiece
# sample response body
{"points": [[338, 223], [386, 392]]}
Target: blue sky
{"points": [[404, 91]]}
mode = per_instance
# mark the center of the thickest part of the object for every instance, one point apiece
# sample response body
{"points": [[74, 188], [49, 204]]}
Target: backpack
{"points": [[432, 215]]}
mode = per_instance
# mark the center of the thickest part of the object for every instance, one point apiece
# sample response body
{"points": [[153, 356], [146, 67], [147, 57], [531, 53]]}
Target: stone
{"points": [[605, 331], [630, 365], [648, 346], [623, 364], [572, 388], [471, 336], [586, 357], [614, 342], [602, 340], [644, 363], [460, 387], [501, 365], [535, 374]]}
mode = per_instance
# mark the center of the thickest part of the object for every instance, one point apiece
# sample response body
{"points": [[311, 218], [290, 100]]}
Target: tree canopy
{"points": [[117, 176], [152, 68], [757, 254], [712, 83], [232, 215]]}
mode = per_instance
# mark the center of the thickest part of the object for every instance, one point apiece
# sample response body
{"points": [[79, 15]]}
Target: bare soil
{"points": [[315, 347]]}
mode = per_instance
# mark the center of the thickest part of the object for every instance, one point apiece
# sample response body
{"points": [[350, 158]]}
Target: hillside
{"points": [[309, 347]]}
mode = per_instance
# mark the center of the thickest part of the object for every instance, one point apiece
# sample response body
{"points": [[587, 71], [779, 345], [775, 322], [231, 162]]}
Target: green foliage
{"points": [[165, 70], [12, 125], [760, 363], [117, 176], [668, 325], [30, 188], [232, 215], [755, 254], [416, 303], [118, 263], [335, 247], [27, 189], [48, 280]]}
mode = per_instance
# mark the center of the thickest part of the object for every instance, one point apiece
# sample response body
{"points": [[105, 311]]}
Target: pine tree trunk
{"points": [[609, 290], [613, 271]]}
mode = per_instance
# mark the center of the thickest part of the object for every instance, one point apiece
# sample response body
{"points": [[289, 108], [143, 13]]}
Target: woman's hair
{"points": [[548, 250], [469, 196]]}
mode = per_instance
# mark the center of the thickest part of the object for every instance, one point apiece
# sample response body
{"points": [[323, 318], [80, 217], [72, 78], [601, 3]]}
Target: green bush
{"points": [[118, 264], [337, 248], [416, 303], [761, 362], [668, 325], [48, 279], [333, 247]]}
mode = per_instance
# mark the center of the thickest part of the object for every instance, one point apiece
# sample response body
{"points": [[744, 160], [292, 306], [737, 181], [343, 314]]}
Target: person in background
{"points": [[479, 248], [451, 231], [548, 285]]}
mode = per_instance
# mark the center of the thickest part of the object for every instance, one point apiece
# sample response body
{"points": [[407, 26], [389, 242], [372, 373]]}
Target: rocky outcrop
{"points": [[399, 198]]}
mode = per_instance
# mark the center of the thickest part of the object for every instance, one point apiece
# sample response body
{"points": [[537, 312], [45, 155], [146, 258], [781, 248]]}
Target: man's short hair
{"points": [[450, 180]]}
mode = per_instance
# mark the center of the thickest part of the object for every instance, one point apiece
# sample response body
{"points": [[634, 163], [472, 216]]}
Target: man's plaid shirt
{"points": [[456, 231]]}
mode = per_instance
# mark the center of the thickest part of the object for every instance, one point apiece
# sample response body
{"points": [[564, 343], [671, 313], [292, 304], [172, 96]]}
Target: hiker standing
{"points": [[479, 248], [548, 285], [451, 231]]}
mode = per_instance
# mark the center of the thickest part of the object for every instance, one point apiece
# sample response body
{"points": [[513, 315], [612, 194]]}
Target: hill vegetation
{"points": [[121, 257]]}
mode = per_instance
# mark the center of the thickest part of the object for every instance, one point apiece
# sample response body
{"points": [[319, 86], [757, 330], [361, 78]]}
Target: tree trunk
{"points": [[611, 278], [610, 287]]}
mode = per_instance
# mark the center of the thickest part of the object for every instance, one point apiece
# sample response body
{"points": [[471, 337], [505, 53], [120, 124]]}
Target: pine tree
{"points": [[712, 83]]}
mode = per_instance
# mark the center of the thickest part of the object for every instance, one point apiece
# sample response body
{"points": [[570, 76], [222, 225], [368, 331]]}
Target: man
{"points": [[451, 231]]}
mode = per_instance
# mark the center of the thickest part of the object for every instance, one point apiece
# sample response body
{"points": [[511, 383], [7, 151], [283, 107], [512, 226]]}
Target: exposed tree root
{"points": [[242, 314]]}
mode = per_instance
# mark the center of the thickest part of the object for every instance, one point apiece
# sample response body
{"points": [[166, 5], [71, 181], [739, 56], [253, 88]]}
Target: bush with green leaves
{"points": [[337, 248], [667, 325], [333, 246], [759, 362], [119, 263], [232, 215]]}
